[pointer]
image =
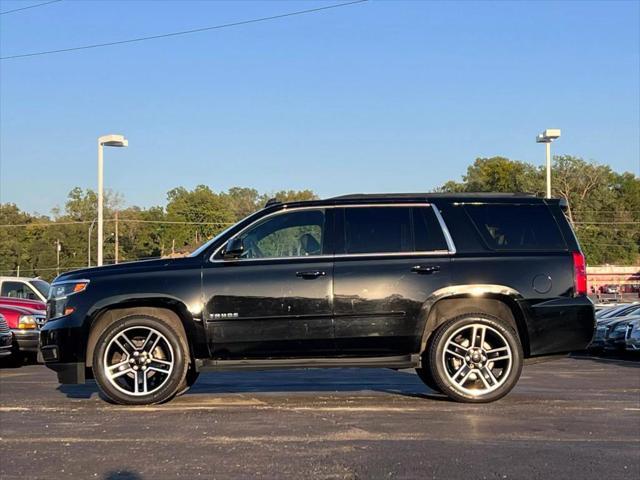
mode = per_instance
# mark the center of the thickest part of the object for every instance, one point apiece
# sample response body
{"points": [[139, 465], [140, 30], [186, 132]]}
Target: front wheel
{"points": [[475, 358], [140, 360]]}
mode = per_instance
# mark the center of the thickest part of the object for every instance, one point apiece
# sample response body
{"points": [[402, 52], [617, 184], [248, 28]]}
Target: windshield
{"points": [[42, 287], [204, 246]]}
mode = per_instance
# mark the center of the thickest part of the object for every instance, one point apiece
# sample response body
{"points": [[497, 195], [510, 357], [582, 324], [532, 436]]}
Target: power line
{"points": [[185, 32], [606, 223], [120, 220], [30, 6]]}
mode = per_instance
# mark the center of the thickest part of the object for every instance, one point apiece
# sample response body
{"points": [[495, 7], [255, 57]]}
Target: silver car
{"points": [[616, 333], [632, 338], [601, 334]]}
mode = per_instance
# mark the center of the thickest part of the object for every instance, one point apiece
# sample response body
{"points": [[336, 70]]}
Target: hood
{"points": [[128, 267], [19, 310], [22, 302]]}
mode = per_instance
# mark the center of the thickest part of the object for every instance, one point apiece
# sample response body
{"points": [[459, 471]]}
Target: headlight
{"points": [[27, 322], [64, 289], [59, 294]]}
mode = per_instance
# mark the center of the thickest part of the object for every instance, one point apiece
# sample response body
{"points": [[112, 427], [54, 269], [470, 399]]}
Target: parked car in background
{"points": [[618, 311], [24, 303], [25, 324], [24, 288], [616, 334], [6, 338], [632, 338]]}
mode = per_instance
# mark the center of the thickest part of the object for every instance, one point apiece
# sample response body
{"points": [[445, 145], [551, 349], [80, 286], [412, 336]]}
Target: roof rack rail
{"points": [[271, 202]]}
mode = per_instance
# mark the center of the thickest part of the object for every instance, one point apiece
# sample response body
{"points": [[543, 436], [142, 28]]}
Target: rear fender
{"points": [[452, 301]]}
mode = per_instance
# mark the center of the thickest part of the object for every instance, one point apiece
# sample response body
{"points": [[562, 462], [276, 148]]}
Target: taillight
{"points": [[579, 273]]}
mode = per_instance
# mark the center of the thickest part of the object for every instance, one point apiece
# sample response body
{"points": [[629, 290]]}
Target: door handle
{"points": [[310, 274], [426, 269]]}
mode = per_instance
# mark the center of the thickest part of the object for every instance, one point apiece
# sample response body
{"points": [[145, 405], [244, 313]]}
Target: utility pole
{"points": [[58, 248], [116, 253]]}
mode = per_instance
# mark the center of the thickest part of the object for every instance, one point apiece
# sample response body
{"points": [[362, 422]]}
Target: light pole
{"points": [[105, 141], [89, 242], [548, 136]]}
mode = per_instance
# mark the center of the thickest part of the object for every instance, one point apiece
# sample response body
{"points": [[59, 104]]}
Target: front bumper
{"points": [[62, 344], [633, 343], [6, 344], [26, 340]]}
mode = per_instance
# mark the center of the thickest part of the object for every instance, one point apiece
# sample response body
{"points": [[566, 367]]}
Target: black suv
{"points": [[462, 287]]}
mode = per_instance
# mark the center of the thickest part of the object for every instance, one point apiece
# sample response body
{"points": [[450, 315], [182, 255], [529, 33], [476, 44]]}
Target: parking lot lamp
{"points": [[105, 141], [546, 137]]}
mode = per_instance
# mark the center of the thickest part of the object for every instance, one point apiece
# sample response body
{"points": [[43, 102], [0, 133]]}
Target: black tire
{"points": [[190, 378], [425, 375], [443, 367], [168, 384]]}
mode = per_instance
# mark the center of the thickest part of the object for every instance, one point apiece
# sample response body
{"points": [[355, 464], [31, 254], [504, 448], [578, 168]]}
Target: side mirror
{"points": [[234, 248]]}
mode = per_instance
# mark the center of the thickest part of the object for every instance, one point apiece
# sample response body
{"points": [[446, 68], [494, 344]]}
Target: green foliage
{"points": [[189, 218], [604, 206]]}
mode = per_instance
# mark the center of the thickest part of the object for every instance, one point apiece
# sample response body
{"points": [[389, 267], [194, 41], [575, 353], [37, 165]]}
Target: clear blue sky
{"points": [[381, 96]]}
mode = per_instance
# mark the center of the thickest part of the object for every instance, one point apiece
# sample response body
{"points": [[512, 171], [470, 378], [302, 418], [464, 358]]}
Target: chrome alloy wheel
{"points": [[477, 359], [138, 361]]}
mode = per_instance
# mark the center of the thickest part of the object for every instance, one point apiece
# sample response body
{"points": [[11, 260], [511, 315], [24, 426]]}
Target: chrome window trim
{"points": [[447, 235], [450, 246]]}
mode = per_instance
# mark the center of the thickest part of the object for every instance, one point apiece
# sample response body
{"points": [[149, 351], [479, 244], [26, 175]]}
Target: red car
{"points": [[23, 302], [25, 324]]}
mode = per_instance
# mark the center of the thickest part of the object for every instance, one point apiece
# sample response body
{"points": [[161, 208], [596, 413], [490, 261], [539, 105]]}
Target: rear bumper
{"points": [[26, 340], [560, 325]]}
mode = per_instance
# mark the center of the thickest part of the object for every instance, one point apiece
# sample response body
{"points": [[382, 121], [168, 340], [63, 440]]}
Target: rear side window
{"points": [[516, 227], [391, 230]]}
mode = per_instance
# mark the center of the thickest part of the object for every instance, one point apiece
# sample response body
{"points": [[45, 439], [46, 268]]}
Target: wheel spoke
{"points": [[112, 368], [464, 370], [121, 373], [455, 354], [499, 349], [483, 334], [136, 382], [148, 341], [125, 344], [160, 365], [503, 357], [490, 375]]}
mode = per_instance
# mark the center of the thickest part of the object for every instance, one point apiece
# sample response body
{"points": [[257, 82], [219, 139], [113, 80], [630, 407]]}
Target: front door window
{"points": [[293, 234]]}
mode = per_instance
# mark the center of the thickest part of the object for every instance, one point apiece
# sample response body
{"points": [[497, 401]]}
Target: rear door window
{"points": [[390, 230], [516, 227]]}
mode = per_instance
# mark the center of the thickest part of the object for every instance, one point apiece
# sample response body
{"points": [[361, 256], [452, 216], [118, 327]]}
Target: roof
{"points": [[413, 197], [403, 196], [18, 279]]}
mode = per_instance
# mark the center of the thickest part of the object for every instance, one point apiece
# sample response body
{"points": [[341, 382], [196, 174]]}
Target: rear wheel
{"points": [[140, 360], [425, 375], [475, 358]]}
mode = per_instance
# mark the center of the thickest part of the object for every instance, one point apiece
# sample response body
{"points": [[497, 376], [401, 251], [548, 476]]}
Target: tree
{"points": [[498, 174], [603, 206]]}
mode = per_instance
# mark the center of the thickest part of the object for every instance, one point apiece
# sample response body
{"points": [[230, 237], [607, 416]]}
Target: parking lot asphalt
{"points": [[577, 417]]}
